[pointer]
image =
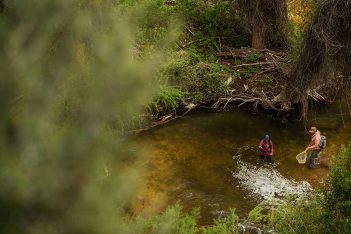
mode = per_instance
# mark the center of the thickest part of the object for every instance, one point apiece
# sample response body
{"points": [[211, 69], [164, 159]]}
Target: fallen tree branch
{"points": [[163, 120], [252, 64]]}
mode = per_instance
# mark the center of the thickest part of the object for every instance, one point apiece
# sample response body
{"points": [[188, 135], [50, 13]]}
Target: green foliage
{"points": [[203, 82], [173, 220], [295, 37], [338, 196], [300, 16], [201, 53], [209, 16], [68, 70], [226, 225], [248, 72], [253, 57], [169, 98], [155, 28], [258, 215], [304, 216], [327, 212], [213, 23]]}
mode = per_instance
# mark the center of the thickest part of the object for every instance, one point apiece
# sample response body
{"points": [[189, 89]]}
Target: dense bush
{"points": [[300, 16], [169, 98], [69, 71], [338, 194], [175, 221], [204, 82], [305, 216], [183, 80], [320, 212], [212, 24]]}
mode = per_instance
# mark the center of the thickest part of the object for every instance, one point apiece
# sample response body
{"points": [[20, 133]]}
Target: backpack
{"points": [[323, 142]]}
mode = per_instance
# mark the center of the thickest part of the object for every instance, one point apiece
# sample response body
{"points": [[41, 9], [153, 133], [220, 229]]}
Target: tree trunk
{"points": [[325, 58], [2, 5], [268, 20], [258, 37]]}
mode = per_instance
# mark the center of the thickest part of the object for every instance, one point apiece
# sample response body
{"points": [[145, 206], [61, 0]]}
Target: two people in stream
{"points": [[317, 143]]}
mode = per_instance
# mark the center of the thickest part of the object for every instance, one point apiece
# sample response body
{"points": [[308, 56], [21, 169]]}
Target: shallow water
{"points": [[209, 160]]}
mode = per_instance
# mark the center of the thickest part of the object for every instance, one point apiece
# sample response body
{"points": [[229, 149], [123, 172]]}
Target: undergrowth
{"points": [[185, 81], [175, 221], [169, 98], [326, 211], [211, 24]]}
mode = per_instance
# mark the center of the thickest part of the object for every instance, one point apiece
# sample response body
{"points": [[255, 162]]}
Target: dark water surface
{"points": [[191, 160]]}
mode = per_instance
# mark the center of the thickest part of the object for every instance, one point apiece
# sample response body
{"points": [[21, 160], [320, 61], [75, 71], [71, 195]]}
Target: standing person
{"points": [[314, 146], [266, 148]]}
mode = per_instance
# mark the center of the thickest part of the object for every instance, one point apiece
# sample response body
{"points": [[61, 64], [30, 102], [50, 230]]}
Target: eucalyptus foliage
{"points": [[71, 79]]}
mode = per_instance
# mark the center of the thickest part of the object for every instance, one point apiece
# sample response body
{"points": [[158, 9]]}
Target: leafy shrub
{"points": [[175, 221], [204, 82], [68, 70], [338, 193], [258, 215], [327, 212], [213, 23], [304, 216], [253, 57], [169, 98], [154, 26], [226, 225], [248, 72], [300, 16]]}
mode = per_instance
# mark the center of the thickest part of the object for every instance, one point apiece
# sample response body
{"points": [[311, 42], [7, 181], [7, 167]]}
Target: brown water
{"points": [[191, 160]]}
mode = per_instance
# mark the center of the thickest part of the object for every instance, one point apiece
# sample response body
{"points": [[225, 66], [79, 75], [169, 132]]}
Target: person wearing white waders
{"points": [[314, 146]]}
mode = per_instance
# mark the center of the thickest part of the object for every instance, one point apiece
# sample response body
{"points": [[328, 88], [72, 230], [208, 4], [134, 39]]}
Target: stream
{"points": [[210, 160]]}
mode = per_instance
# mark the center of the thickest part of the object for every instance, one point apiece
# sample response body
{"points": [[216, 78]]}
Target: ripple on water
{"points": [[267, 183]]}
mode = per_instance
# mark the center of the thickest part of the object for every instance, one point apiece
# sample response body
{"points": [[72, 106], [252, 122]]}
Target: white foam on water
{"points": [[267, 182]]}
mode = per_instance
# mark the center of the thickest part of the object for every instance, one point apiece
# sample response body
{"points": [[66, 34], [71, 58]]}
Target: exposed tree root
{"points": [[323, 69], [263, 87]]}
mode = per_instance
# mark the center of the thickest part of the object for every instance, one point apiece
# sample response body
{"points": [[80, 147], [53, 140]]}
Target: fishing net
{"points": [[301, 157]]}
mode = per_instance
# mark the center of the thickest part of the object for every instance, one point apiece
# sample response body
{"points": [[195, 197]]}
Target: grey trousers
{"points": [[313, 157]]}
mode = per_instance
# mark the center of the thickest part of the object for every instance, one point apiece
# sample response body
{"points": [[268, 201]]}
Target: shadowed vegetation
{"points": [[323, 67], [268, 20]]}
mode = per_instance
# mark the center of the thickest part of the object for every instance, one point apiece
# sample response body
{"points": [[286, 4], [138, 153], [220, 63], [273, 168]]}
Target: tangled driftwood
{"points": [[272, 64]]}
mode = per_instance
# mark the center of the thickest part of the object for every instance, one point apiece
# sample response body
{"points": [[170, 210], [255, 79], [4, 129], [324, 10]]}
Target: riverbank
{"points": [[239, 77], [212, 64]]}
